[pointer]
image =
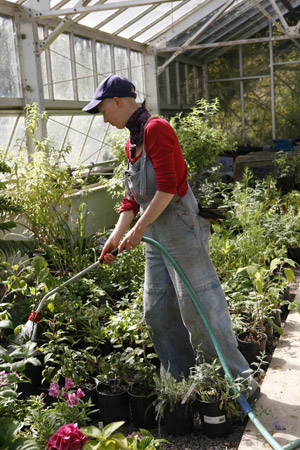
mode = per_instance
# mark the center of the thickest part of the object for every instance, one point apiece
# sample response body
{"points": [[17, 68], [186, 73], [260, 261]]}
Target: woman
{"points": [[156, 185]]}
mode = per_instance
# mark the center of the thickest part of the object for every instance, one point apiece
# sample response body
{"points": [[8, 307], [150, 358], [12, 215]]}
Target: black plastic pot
{"points": [[215, 422], [178, 422], [34, 373], [113, 406], [294, 254], [90, 393], [285, 184], [142, 410], [251, 350]]}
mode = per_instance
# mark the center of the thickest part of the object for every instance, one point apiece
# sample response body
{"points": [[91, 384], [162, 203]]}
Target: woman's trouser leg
{"points": [[169, 335]]}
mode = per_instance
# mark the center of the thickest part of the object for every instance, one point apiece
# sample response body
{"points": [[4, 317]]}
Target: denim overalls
{"points": [[170, 312]]}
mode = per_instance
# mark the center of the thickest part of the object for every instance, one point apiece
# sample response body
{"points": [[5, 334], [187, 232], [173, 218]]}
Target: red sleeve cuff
{"points": [[130, 205]]}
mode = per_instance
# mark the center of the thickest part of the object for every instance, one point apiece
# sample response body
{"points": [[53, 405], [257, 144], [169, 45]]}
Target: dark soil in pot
{"points": [[89, 388], [250, 346]]}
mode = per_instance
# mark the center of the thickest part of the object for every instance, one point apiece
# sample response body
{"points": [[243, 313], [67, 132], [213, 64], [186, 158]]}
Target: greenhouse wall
{"points": [[256, 83]]}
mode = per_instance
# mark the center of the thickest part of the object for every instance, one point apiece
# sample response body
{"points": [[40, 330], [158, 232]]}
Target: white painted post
{"points": [[151, 83], [29, 57]]}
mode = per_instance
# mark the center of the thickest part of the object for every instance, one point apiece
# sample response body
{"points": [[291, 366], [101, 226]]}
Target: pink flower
{"points": [[54, 389], [80, 393], [72, 400], [67, 437], [16, 374], [69, 384], [65, 395]]}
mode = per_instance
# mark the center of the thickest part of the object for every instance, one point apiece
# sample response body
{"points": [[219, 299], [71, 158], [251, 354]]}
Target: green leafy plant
{"points": [[210, 384], [10, 438], [267, 288], [107, 439], [115, 185], [288, 165], [12, 374], [41, 189], [72, 250], [201, 143], [171, 393], [124, 279], [9, 247]]}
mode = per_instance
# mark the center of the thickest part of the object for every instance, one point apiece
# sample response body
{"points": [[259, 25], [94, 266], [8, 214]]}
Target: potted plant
{"points": [[23, 360], [267, 284], [141, 386], [287, 169], [215, 396], [112, 395], [173, 404]]}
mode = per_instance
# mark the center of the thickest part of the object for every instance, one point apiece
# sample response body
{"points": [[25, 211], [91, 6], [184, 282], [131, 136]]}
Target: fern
{"points": [[11, 247], [7, 226]]}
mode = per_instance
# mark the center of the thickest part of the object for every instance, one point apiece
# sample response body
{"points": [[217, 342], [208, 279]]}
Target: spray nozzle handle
{"points": [[114, 252]]}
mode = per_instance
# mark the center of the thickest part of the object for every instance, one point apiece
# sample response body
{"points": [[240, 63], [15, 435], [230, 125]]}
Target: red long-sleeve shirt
{"points": [[163, 150]]}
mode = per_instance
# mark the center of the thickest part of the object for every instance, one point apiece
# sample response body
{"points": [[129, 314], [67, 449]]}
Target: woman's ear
{"points": [[118, 101]]}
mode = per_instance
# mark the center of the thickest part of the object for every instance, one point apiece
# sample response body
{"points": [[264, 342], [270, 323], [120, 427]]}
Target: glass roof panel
{"points": [[147, 19], [93, 19], [167, 22], [123, 18]]}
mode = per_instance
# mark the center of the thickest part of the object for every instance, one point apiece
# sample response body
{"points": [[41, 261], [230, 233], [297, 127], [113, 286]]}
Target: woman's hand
{"points": [[132, 239], [113, 241], [109, 246]]}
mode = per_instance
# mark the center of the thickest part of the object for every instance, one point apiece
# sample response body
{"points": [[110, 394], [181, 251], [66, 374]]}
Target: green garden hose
{"points": [[241, 399]]}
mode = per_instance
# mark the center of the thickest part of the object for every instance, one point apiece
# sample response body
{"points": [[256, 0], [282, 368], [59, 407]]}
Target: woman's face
{"points": [[111, 108]]}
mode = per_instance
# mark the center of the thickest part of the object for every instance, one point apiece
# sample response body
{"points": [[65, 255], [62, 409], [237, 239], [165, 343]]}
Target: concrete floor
{"points": [[278, 407]]}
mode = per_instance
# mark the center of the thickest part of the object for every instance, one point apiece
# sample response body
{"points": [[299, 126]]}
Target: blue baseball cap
{"points": [[112, 86]]}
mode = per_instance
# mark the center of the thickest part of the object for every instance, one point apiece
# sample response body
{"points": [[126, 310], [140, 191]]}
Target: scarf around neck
{"points": [[136, 125]]}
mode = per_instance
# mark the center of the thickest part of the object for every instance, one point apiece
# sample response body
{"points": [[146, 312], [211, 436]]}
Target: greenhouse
{"points": [[150, 224]]}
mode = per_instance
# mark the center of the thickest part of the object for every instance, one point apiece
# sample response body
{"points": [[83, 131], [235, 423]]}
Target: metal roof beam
{"points": [[61, 27], [95, 8], [225, 43], [244, 22], [249, 31], [232, 28], [280, 15], [195, 35], [265, 12]]}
